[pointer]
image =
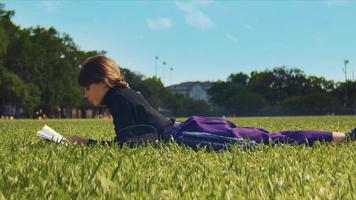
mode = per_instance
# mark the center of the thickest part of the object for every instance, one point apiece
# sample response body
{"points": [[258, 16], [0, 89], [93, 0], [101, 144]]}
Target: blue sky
{"points": [[206, 40]]}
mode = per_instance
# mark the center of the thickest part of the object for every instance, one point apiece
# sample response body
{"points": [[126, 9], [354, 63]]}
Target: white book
{"points": [[48, 133]]}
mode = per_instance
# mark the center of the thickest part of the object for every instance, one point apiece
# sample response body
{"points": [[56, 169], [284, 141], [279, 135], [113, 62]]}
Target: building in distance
{"points": [[196, 90]]}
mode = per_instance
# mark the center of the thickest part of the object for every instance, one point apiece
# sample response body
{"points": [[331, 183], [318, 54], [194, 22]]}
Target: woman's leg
{"points": [[294, 136], [302, 136], [339, 137]]}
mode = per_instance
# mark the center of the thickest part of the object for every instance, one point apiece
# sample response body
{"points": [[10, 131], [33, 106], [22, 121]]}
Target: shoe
{"points": [[351, 135]]}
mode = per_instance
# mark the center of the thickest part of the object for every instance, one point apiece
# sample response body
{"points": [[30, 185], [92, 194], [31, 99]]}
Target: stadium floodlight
{"points": [[345, 68], [171, 69], [163, 77], [156, 59]]}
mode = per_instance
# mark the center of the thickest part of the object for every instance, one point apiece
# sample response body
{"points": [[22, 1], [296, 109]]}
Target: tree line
{"points": [[283, 91], [38, 69]]}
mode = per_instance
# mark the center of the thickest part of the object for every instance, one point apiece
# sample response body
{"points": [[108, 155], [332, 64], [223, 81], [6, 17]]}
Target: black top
{"points": [[128, 107]]}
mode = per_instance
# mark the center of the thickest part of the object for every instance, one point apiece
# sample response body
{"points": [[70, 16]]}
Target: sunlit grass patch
{"points": [[34, 169]]}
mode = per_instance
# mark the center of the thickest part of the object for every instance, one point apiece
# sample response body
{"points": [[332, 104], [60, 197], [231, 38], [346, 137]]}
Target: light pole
{"points": [[164, 65], [156, 59], [345, 69], [171, 69], [346, 87]]}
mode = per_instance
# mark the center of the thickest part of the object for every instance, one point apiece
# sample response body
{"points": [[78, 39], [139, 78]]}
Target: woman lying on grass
{"points": [[136, 121]]}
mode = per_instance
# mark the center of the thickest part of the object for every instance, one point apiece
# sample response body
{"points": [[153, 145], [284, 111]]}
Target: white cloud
{"points": [[232, 38], [159, 23], [199, 19], [193, 16], [49, 6]]}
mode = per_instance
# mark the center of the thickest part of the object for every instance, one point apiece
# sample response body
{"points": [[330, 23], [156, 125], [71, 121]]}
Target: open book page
{"points": [[48, 133]]}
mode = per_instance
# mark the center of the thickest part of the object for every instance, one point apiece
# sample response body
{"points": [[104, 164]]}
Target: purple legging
{"points": [[292, 136], [223, 127]]}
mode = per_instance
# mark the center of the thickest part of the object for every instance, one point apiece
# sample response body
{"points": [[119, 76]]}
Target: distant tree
{"points": [[294, 104], [314, 103], [246, 103], [134, 79], [346, 92], [153, 89], [262, 83], [44, 60], [239, 79], [320, 103], [236, 96], [173, 102], [195, 107], [5, 26], [181, 105], [279, 87], [315, 84], [14, 91], [295, 81], [218, 92]]}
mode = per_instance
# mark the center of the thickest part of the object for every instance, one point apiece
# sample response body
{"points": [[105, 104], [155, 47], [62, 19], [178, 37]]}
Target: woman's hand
{"points": [[77, 139]]}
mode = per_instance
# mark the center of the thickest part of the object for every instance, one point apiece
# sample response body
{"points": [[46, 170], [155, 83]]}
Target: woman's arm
{"points": [[121, 113], [77, 139], [87, 141]]}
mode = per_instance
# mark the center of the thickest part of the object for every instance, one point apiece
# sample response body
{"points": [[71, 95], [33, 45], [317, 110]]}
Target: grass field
{"points": [[33, 169]]}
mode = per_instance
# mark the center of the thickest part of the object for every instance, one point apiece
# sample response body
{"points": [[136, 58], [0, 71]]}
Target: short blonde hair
{"points": [[100, 68]]}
